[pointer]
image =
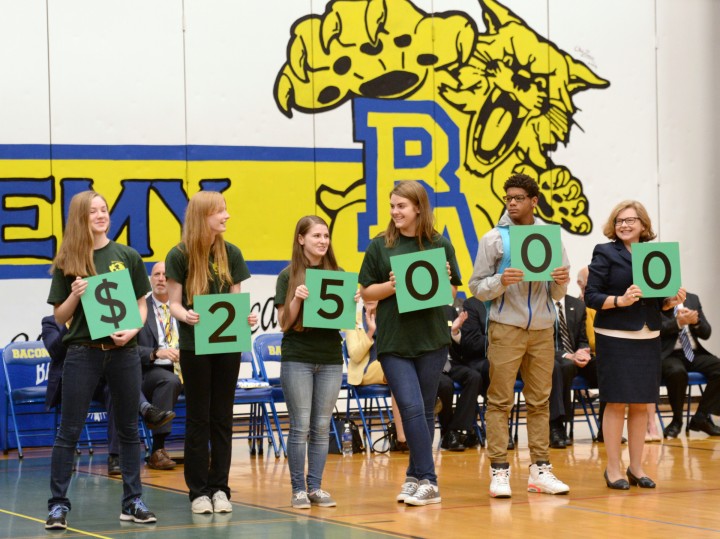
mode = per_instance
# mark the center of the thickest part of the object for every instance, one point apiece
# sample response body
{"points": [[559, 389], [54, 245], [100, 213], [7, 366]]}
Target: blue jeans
{"points": [[311, 391], [84, 366], [414, 384]]}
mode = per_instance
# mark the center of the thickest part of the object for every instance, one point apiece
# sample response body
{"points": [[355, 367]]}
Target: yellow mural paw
{"points": [[368, 48], [562, 201]]}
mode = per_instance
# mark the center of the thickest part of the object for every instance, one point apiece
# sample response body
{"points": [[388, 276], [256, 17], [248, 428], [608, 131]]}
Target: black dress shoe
{"points": [[601, 440], [471, 439], [452, 441], [511, 444], [673, 429], [155, 417], [557, 439], [642, 482], [703, 423], [114, 465], [568, 440], [620, 484]]}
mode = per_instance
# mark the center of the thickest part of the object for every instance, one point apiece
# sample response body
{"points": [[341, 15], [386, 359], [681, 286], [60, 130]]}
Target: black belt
{"points": [[100, 345]]}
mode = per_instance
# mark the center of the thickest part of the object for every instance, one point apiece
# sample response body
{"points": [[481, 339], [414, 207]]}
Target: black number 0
{"points": [[325, 296], [434, 280], [217, 337], [646, 270], [526, 247]]}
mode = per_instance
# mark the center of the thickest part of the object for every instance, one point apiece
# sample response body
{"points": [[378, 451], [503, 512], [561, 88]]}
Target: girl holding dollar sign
{"points": [[86, 250], [412, 347], [204, 263]]}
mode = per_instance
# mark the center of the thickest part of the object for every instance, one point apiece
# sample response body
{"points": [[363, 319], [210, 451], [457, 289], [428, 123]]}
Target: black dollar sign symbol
{"points": [[111, 303]]}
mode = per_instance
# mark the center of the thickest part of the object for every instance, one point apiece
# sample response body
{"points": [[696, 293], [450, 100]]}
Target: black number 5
{"points": [[325, 296], [217, 337]]}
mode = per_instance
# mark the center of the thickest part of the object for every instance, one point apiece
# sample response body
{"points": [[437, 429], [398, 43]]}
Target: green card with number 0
{"points": [[223, 326], [656, 268], [110, 304], [536, 250], [421, 280]]}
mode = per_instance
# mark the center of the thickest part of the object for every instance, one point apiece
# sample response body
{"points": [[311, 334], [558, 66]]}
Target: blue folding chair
{"points": [[695, 379], [256, 393], [580, 389], [267, 349], [370, 403], [25, 369]]}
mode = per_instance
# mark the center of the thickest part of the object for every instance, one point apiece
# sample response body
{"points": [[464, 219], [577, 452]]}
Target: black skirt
{"points": [[629, 370]]}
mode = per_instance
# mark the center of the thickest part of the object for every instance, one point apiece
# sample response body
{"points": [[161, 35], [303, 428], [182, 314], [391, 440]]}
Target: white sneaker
{"points": [[500, 482], [408, 488], [543, 480], [425, 494], [220, 503], [202, 505]]}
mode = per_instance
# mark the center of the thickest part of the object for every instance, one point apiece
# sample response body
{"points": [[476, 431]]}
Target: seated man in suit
{"points": [[572, 358], [457, 426], [160, 358], [52, 336], [688, 323]]}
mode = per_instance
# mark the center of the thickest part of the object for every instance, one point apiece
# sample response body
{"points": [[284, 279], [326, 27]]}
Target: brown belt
{"points": [[100, 345]]}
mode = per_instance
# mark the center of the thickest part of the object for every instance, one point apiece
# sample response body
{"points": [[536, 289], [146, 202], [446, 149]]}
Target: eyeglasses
{"points": [[630, 221], [518, 198]]}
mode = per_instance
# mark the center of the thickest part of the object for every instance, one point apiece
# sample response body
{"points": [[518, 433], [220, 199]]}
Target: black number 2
{"points": [[325, 296], [217, 337]]}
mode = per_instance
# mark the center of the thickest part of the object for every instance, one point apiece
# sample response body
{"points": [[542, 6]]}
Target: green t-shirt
{"points": [[311, 345], [176, 268], [112, 257], [408, 334]]}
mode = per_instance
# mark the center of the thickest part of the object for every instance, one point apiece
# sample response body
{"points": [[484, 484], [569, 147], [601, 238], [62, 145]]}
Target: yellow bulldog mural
{"points": [[438, 101]]}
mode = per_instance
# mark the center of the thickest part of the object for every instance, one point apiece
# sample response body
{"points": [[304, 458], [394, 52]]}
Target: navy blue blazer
{"points": [[52, 335], [611, 275]]}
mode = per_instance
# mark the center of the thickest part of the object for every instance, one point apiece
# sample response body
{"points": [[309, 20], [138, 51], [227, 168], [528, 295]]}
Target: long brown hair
{"points": [[416, 194], [609, 228], [196, 236], [299, 263], [75, 255]]}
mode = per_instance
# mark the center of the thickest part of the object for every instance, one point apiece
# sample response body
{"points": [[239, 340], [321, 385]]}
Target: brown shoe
{"points": [[160, 460]]}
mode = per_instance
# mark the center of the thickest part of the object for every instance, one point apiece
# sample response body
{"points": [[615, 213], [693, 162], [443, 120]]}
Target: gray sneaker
{"points": [[300, 500], [425, 494], [408, 488], [321, 498]]}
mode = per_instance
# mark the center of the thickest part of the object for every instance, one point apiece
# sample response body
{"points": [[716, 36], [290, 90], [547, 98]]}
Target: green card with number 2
{"points": [[223, 326]]}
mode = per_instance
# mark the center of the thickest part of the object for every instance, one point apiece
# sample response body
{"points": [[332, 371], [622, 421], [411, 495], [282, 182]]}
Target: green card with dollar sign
{"points": [[110, 304]]}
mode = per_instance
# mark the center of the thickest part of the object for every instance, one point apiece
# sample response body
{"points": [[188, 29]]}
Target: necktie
{"points": [[168, 328], [685, 341], [564, 334]]}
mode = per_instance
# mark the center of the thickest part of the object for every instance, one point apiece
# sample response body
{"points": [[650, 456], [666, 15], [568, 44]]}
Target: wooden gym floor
{"points": [[685, 504]]}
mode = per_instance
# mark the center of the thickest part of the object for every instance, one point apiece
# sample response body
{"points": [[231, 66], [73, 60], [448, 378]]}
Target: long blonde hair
{"points": [[75, 255], [299, 263], [196, 236], [425, 229]]}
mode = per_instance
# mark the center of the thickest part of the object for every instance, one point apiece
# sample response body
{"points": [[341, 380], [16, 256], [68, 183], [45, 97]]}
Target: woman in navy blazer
{"points": [[627, 333]]}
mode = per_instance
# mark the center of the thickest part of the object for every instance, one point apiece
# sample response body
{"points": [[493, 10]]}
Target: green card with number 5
{"points": [[110, 305], [331, 303], [223, 326]]}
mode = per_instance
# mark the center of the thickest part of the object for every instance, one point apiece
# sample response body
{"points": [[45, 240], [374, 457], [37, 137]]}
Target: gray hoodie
{"points": [[527, 304]]}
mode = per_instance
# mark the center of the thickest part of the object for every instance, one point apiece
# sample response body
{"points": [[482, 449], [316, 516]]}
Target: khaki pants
{"points": [[532, 352]]}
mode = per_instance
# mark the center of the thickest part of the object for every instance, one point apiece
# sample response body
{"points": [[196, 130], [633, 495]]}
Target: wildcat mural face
{"points": [[508, 90]]}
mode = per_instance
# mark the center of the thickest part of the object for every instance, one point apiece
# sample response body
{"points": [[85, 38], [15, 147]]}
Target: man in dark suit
{"points": [[159, 355], [572, 358], [52, 336], [676, 364], [457, 426]]}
